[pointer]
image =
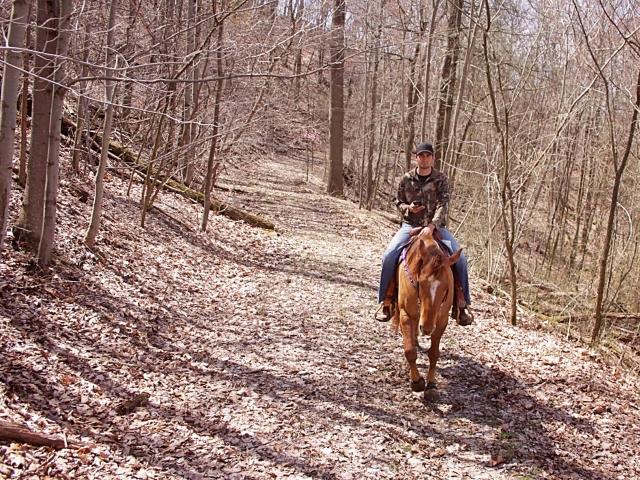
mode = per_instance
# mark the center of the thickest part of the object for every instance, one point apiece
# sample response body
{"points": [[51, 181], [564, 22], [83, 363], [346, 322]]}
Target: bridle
{"points": [[403, 257]]}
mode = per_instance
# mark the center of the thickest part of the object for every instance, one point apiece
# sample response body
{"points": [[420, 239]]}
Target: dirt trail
{"points": [[262, 360]]}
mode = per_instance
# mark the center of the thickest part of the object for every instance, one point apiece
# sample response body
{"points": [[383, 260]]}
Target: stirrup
{"points": [[464, 317], [383, 313]]}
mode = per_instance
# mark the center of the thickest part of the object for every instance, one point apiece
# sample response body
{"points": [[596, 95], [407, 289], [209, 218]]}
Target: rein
{"points": [[407, 272]]}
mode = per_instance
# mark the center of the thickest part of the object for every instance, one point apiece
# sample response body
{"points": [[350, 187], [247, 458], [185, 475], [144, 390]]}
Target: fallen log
{"points": [[579, 317], [219, 207], [187, 228], [16, 433]]}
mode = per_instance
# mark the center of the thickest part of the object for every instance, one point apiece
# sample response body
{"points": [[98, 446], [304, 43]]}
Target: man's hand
{"points": [[416, 207], [434, 232]]}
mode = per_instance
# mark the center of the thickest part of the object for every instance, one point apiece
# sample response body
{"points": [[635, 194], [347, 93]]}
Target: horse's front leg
{"points": [[431, 392], [409, 327]]}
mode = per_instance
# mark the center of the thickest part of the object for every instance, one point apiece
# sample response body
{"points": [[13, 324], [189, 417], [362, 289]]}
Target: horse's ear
{"points": [[455, 257]]}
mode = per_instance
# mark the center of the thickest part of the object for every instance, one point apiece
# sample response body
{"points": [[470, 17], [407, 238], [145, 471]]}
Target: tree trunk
{"points": [[413, 90], [208, 184], [297, 68], [9, 101], [24, 103], [147, 195], [29, 224], [427, 71], [336, 114], [188, 113], [373, 121], [96, 214], [506, 193], [81, 112], [452, 151], [47, 240], [448, 80], [129, 50]]}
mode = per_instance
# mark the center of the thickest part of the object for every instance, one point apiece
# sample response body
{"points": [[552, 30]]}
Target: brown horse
{"points": [[425, 296]]}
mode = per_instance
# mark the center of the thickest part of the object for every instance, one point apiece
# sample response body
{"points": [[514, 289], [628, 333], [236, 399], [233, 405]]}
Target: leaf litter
{"points": [[256, 356]]}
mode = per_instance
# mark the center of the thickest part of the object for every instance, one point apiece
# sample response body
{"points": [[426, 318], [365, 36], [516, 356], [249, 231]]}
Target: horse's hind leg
{"points": [[409, 333]]}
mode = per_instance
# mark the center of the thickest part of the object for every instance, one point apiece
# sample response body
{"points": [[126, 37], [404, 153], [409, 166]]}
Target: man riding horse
{"points": [[423, 201]]}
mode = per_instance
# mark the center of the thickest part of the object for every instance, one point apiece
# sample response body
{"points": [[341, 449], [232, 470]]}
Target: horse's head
{"points": [[435, 281]]}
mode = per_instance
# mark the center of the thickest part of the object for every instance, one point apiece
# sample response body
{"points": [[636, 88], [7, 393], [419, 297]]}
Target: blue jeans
{"points": [[392, 254]]}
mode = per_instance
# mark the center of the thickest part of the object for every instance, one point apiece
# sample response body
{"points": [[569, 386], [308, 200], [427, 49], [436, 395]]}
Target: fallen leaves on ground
{"points": [[256, 355]]}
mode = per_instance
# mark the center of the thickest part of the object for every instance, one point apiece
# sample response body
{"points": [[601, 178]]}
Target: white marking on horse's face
{"points": [[435, 285]]}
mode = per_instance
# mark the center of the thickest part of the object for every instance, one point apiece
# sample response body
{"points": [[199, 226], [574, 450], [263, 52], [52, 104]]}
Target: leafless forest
{"points": [[532, 107]]}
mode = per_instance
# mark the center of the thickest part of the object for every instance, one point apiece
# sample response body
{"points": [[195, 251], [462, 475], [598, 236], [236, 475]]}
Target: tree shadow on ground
{"points": [[280, 261], [316, 401], [321, 399], [495, 398], [41, 390]]}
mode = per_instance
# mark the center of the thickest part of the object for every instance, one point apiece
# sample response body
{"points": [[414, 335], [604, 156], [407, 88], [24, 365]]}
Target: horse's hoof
{"points": [[418, 385], [431, 392]]}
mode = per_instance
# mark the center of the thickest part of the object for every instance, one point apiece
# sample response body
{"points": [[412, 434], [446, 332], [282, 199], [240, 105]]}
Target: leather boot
{"points": [[392, 290], [385, 312], [458, 294], [460, 312]]}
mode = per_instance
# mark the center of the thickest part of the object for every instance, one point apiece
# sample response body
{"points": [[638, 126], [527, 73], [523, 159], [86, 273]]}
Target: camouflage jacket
{"points": [[432, 191]]}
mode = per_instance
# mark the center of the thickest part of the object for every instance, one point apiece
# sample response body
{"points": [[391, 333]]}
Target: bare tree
{"points": [[373, 119], [9, 100], [501, 124], [190, 103], [448, 79], [96, 213], [24, 104], [435, 5], [413, 93], [335, 183], [47, 239], [81, 132], [29, 224], [619, 165], [216, 119]]}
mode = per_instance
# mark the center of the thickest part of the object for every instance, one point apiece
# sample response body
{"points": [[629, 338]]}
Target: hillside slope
{"points": [[261, 358]]}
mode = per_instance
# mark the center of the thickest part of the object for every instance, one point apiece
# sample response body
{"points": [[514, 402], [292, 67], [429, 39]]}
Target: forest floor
{"points": [[261, 358]]}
